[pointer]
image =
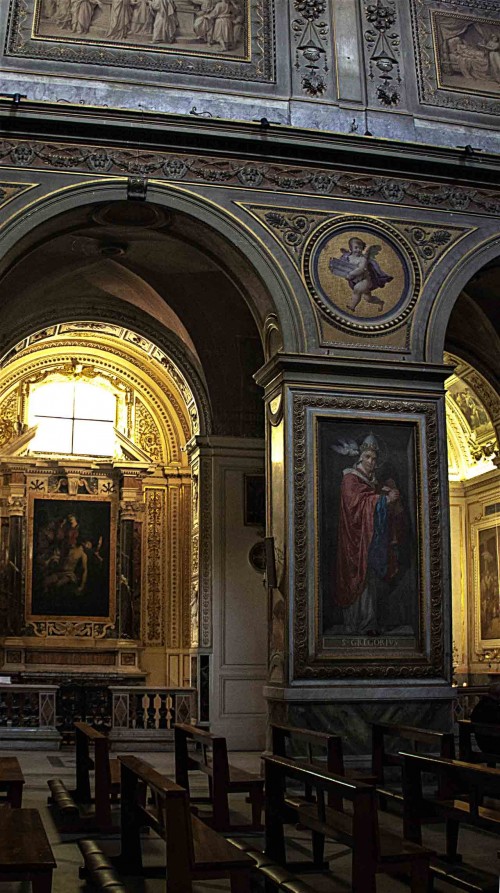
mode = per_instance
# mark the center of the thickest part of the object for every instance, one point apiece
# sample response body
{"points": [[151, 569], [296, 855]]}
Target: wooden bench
{"points": [[210, 756], [12, 781], [106, 783], [442, 742], [320, 749], [373, 852], [193, 850], [458, 797], [25, 852], [467, 736]]}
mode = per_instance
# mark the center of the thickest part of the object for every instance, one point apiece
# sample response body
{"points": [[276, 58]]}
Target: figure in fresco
{"points": [[371, 530], [49, 8], [362, 272], [63, 15], [82, 13], [473, 412], [203, 26], [142, 17], [119, 19], [165, 22], [492, 47], [238, 21], [222, 17], [469, 60]]}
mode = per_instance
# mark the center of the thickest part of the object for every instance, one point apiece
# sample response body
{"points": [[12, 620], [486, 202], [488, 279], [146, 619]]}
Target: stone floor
{"points": [[478, 849]]}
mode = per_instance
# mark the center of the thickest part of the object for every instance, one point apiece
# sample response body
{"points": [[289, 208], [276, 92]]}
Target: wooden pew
{"points": [[25, 852], [467, 736], [193, 850], [12, 781], [320, 749], [106, 783], [442, 742], [460, 790], [373, 851], [210, 757]]}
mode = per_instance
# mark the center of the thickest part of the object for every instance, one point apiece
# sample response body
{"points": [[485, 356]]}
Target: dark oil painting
{"points": [[71, 558]]}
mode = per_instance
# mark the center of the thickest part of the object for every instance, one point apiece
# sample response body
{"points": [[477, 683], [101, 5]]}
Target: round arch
{"points": [[435, 312], [261, 266], [175, 356]]}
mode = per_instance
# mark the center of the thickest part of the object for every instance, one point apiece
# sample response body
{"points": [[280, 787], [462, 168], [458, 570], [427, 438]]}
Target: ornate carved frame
{"points": [[431, 91], [381, 661], [62, 621], [485, 650], [256, 65]]}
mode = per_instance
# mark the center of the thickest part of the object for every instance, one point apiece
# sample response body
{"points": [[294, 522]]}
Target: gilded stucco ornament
{"points": [[384, 51], [277, 177], [311, 33]]}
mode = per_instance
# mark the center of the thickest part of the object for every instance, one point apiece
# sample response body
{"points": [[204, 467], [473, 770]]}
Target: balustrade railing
{"points": [[28, 707], [148, 708]]}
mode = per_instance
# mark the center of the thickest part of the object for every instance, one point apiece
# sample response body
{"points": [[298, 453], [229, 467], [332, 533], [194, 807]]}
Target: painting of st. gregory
{"points": [[368, 516]]}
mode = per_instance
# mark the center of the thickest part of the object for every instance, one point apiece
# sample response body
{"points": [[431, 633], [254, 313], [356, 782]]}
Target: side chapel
{"points": [[249, 362]]}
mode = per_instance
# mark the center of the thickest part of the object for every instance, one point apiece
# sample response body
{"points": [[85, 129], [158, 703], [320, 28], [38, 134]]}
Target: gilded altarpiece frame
{"points": [[485, 540], [71, 560], [402, 437]]}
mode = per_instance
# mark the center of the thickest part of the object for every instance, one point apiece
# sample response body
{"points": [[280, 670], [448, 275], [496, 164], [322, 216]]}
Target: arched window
{"points": [[73, 417]]}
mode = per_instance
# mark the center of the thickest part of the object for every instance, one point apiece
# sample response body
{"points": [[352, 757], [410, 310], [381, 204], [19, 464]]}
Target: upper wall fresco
{"points": [[215, 38], [458, 54]]}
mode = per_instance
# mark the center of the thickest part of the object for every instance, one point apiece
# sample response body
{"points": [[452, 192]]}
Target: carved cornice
{"points": [[278, 178]]}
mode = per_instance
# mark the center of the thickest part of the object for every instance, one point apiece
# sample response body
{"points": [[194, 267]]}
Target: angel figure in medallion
{"points": [[362, 272]]}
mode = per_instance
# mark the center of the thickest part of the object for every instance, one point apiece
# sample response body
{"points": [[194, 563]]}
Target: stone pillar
{"points": [[359, 512]]}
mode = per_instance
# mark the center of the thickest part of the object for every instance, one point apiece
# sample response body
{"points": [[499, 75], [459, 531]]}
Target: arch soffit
{"points": [[172, 410], [171, 352], [473, 421], [433, 314], [260, 263]]}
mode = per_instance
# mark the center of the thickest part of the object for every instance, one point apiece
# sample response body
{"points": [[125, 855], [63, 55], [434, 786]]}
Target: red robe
{"points": [[358, 500]]}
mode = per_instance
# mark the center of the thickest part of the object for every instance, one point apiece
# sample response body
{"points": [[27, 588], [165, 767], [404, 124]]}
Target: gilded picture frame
{"points": [[71, 559], [399, 630], [457, 55], [486, 584]]}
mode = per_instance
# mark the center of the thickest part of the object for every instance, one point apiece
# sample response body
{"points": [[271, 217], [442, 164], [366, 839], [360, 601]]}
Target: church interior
{"points": [[249, 438]]}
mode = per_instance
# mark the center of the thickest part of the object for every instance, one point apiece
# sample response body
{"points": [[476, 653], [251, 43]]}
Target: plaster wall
{"points": [[238, 708]]}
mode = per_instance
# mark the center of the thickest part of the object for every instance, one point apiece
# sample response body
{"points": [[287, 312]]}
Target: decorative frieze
{"points": [[256, 175], [310, 32]]}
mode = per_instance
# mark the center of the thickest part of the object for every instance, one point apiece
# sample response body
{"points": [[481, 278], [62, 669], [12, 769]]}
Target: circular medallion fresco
{"points": [[361, 276]]}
